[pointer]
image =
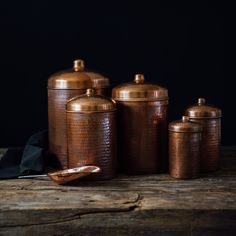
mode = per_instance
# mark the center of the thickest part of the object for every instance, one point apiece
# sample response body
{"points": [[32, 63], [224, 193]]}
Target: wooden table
{"points": [[126, 205]]}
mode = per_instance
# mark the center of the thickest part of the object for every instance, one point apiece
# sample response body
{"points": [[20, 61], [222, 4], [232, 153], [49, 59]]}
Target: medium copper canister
{"points": [[91, 133], [210, 118], [184, 148], [61, 87], [142, 126]]}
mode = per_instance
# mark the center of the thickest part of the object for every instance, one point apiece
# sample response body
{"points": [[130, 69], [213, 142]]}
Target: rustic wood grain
{"points": [[126, 205]]}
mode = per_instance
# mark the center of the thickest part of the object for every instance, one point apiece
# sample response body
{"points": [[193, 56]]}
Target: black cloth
{"points": [[26, 160]]}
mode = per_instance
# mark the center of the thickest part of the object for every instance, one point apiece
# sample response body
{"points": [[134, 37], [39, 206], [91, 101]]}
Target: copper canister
{"points": [[61, 87], [210, 118], [184, 148], [142, 126], [91, 133]]}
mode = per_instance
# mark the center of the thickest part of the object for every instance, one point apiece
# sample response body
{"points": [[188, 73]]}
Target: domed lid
{"points": [[184, 125], [98, 80], [138, 90], [70, 79], [202, 110], [90, 103]]}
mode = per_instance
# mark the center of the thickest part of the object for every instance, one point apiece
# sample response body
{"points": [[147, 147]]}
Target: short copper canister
{"points": [[210, 118], [142, 126], [61, 87], [91, 133], [184, 148]]}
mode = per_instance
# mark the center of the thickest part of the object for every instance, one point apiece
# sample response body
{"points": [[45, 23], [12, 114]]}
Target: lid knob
{"points": [[139, 78], [90, 92], [185, 119], [78, 65], [201, 101]]}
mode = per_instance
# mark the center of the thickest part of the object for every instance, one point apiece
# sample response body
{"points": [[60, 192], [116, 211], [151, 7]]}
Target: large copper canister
{"points": [[184, 148], [91, 133], [210, 118], [142, 126], [61, 87]]}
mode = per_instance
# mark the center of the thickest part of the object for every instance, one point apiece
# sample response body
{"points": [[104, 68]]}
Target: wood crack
{"points": [[134, 204]]}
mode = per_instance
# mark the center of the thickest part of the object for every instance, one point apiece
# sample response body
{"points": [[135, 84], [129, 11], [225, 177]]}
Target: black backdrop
{"points": [[180, 46]]}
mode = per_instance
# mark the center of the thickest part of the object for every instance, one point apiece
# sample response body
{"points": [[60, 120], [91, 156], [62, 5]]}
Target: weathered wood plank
{"points": [[126, 205]]}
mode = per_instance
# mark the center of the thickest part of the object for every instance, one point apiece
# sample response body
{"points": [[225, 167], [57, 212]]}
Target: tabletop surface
{"points": [[126, 205]]}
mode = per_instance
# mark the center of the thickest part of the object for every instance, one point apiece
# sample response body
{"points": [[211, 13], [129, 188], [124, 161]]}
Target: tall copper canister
{"points": [[184, 148], [91, 133], [61, 87], [210, 118], [142, 126]]}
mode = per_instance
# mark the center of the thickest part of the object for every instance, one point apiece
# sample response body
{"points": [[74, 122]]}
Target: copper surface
{"points": [[142, 137], [138, 90], [77, 78], [98, 81], [63, 86], [57, 99], [142, 126], [89, 102], [184, 149], [68, 175], [203, 110], [92, 135], [209, 117]]}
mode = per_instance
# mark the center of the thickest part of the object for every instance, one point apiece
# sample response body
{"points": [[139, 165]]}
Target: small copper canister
{"points": [[210, 118], [61, 87], [142, 126], [91, 133], [184, 148]]}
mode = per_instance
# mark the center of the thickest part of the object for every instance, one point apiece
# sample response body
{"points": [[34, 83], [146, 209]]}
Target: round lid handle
{"points": [[139, 78], [201, 101], [185, 119], [78, 65], [90, 92]]}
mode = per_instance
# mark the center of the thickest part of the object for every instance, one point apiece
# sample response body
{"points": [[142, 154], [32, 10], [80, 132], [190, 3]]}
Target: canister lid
{"points": [[77, 78], [138, 90], [90, 102], [97, 80], [70, 79], [203, 110], [184, 125]]}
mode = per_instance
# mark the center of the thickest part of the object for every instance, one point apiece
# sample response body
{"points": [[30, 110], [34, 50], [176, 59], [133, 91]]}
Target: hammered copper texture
{"points": [[142, 137], [184, 154], [92, 141], [210, 146], [57, 122]]}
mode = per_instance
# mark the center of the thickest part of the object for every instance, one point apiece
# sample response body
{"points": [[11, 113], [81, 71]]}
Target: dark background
{"points": [[183, 47]]}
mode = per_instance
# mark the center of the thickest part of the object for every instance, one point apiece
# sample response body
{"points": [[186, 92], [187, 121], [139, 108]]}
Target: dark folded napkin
{"points": [[27, 160]]}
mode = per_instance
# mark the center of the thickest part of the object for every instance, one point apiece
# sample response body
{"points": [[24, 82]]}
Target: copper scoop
{"points": [[65, 176]]}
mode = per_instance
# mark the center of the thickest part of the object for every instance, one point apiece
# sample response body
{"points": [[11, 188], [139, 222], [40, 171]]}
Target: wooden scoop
{"points": [[65, 176]]}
